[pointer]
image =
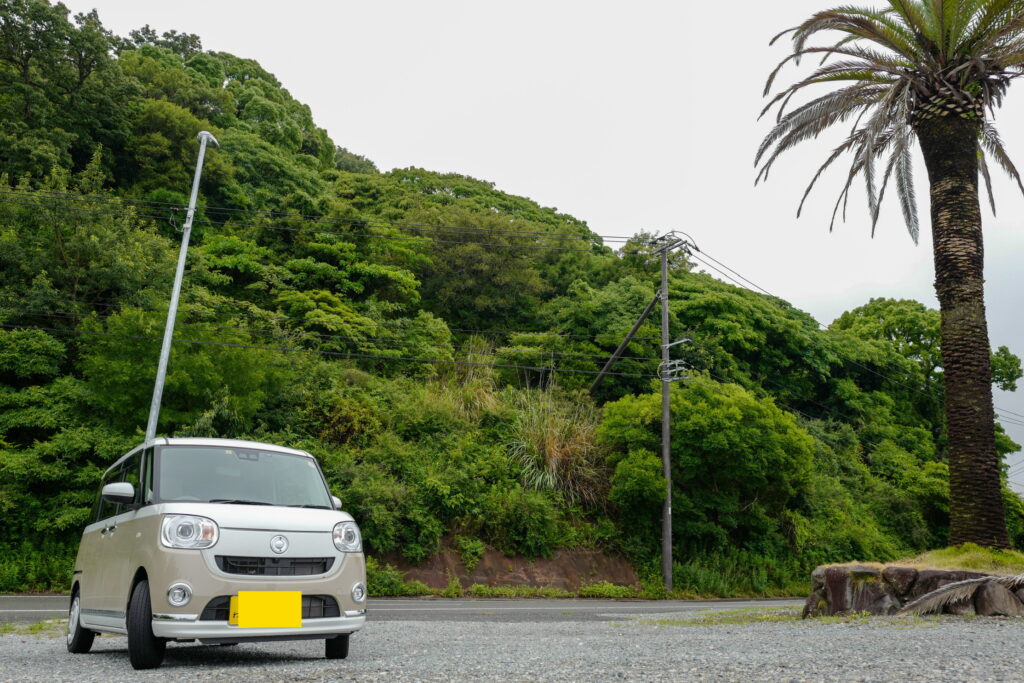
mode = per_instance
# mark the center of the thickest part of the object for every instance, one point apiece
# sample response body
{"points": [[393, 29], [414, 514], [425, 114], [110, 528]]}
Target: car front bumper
{"points": [[189, 627]]}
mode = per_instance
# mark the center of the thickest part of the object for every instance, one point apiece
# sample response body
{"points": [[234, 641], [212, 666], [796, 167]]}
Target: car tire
{"points": [[337, 647], [145, 650], [79, 639]]}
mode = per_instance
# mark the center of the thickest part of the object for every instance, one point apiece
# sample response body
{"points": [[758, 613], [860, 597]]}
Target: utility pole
{"points": [[172, 311], [666, 432], [667, 372]]}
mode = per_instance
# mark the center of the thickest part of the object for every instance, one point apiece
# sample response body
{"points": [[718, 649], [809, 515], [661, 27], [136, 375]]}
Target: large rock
{"points": [[816, 605], [859, 588], [994, 600], [931, 579], [838, 589], [900, 580], [850, 589]]}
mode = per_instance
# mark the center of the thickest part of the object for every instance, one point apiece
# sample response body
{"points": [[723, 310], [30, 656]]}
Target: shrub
{"points": [[387, 581], [520, 522], [604, 589], [470, 550]]}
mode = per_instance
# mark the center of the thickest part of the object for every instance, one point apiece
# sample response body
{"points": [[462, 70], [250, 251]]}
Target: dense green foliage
{"points": [[438, 373]]}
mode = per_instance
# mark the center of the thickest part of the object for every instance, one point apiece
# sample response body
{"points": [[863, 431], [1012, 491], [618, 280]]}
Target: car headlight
{"points": [[347, 538], [188, 531]]}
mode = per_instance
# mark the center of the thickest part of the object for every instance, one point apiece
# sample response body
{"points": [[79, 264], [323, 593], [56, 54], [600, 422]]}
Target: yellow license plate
{"points": [[266, 609]]}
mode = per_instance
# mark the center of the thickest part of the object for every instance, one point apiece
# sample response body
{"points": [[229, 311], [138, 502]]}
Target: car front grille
{"points": [[313, 607], [274, 566]]}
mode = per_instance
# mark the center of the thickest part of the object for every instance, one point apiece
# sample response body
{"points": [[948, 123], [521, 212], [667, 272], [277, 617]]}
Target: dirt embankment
{"points": [[566, 569]]}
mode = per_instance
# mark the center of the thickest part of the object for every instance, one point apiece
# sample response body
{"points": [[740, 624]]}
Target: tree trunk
{"points": [[976, 513]]}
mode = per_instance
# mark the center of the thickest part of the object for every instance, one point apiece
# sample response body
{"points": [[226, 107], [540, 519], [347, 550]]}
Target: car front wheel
{"points": [[79, 639], [337, 647], [145, 650]]}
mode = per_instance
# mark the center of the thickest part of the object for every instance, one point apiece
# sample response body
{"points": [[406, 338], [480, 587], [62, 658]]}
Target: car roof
{"points": [[196, 441]]}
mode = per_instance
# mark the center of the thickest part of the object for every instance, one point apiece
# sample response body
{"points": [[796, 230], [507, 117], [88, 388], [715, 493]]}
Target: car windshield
{"points": [[212, 474]]}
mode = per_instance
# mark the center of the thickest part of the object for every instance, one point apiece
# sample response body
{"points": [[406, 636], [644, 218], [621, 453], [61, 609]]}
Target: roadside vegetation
{"points": [[415, 332]]}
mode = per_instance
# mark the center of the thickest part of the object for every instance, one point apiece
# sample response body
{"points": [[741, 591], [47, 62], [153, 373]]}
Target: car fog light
{"points": [[359, 592], [179, 594]]}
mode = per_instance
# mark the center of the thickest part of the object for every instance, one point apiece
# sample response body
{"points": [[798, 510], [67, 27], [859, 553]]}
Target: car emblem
{"points": [[279, 544]]}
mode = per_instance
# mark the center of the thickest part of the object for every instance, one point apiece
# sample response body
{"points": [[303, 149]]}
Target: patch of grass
{"points": [[48, 627], [733, 617], [478, 590], [453, 589], [969, 557], [784, 615], [604, 589]]}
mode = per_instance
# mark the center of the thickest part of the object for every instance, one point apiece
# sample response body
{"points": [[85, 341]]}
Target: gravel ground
{"points": [[945, 649]]}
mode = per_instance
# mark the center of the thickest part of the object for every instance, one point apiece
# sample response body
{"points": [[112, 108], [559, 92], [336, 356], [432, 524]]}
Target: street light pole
{"points": [[172, 311]]}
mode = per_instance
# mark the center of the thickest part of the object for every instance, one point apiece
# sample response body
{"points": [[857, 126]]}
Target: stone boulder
{"points": [[995, 600], [844, 589], [931, 579], [900, 580], [841, 590]]}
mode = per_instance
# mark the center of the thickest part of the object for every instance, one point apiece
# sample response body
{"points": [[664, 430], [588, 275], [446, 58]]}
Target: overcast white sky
{"points": [[631, 116]]}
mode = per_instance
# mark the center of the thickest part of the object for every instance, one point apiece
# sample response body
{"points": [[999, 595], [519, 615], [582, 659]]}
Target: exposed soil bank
{"points": [[566, 570]]}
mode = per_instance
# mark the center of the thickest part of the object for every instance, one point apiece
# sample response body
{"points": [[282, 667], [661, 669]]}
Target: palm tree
{"points": [[930, 70]]}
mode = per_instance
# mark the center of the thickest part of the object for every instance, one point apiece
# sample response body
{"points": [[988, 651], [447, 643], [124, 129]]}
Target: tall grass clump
{"points": [[554, 441]]}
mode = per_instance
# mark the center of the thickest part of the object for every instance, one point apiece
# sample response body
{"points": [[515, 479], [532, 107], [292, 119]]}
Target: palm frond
{"points": [[905, 191], [946, 595], [904, 65], [957, 592], [813, 118], [987, 178], [992, 143]]}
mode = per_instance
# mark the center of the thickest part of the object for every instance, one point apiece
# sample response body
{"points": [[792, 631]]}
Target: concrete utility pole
{"points": [[666, 431], [172, 311], [667, 372]]}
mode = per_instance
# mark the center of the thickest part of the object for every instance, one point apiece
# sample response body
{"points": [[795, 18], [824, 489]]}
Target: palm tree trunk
{"points": [[976, 513]]}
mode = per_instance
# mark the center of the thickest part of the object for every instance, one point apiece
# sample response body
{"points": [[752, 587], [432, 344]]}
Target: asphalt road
{"points": [[33, 608]]}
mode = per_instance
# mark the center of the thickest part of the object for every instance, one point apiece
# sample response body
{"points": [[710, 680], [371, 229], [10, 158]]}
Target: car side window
{"points": [[144, 493], [130, 472], [103, 508]]}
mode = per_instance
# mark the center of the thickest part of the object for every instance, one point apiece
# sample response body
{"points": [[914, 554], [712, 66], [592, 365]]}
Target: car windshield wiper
{"points": [[238, 501], [318, 507]]}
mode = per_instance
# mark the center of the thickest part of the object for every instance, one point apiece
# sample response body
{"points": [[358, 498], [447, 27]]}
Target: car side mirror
{"points": [[337, 502], [119, 492]]}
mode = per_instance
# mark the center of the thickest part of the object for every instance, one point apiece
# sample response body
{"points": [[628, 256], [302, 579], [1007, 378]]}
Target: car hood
{"points": [[261, 517]]}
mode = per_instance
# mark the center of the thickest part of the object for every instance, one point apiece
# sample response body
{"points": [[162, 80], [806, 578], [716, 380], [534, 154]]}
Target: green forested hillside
{"points": [[428, 337]]}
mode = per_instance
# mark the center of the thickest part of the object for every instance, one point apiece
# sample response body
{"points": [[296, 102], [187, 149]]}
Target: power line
{"points": [[338, 354], [930, 394], [377, 236], [358, 340], [422, 227], [399, 324]]}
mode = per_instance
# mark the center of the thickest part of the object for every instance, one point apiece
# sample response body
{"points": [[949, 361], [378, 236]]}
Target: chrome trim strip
{"points": [[108, 613], [274, 531], [175, 617], [355, 612]]}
